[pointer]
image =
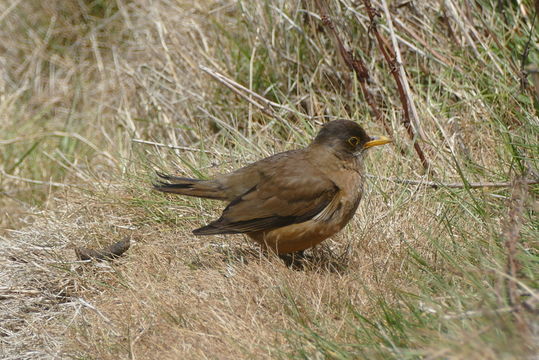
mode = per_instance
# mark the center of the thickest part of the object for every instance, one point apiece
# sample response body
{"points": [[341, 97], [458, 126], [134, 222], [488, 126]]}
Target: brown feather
{"points": [[293, 200]]}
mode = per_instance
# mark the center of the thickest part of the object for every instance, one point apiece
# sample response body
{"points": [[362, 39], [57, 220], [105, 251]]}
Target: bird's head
{"points": [[347, 137]]}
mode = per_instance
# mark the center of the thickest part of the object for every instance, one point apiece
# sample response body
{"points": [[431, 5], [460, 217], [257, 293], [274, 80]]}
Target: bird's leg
{"points": [[293, 260]]}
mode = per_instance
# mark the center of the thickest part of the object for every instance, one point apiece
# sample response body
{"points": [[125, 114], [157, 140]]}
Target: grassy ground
{"points": [[420, 272]]}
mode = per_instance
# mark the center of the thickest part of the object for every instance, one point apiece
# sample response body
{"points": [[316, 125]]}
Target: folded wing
{"points": [[277, 200]]}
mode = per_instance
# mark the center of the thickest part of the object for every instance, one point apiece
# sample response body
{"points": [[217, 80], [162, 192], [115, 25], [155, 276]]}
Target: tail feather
{"points": [[212, 230], [191, 187]]}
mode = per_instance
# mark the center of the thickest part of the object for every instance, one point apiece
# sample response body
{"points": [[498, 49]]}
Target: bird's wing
{"points": [[285, 194]]}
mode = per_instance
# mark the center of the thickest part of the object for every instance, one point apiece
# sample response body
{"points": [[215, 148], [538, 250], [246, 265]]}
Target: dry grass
{"points": [[419, 272]]}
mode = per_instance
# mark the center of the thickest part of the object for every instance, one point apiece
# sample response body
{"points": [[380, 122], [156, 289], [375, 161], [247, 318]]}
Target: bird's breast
{"points": [[348, 176], [350, 184], [326, 223]]}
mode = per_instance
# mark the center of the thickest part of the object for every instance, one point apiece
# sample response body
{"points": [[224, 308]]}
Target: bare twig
{"points": [[436, 55], [356, 65], [8, 291], [249, 95], [6, 12], [454, 14], [511, 233], [435, 185], [267, 106], [98, 312], [399, 64], [466, 28], [240, 90], [32, 181], [525, 54], [170, 146], [423, 52], [390, 58]]}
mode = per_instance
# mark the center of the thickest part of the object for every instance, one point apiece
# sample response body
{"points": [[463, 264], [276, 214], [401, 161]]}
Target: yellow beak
{"points": [[377, 141]]}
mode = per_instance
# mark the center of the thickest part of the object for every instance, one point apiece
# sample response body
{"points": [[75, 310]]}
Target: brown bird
{"points": [[293, 200]]}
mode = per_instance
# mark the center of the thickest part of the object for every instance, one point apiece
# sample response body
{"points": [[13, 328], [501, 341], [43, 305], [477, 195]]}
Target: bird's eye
{"points": [[354, 141]]}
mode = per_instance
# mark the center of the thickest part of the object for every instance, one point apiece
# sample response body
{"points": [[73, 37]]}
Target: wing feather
{"points": [[279, 199]]}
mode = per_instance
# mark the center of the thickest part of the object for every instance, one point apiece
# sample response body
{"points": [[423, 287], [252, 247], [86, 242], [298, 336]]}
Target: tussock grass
{"points": [[418, 273]]}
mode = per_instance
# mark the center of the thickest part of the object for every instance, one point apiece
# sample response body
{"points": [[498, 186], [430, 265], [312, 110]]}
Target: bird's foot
{"points": [[295, 260]]}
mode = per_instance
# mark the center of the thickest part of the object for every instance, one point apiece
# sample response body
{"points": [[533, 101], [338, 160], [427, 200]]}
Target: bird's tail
{"points": [[210, 189]]}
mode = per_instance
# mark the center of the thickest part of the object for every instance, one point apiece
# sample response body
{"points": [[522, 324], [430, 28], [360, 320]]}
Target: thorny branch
{"points": [[354, 64], [389, 56], [357, 65]]}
